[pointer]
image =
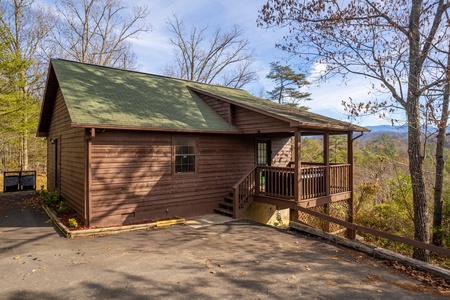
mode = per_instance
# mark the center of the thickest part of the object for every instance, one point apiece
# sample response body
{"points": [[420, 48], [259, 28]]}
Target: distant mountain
{"points": [[388, 129], [399, 131]]}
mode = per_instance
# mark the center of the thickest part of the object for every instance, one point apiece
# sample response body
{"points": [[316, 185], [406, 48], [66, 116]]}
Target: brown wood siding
{"points": [[71, 143], [252, 122], [133, 180], [281, 151], [221, 107], [50, 166]]}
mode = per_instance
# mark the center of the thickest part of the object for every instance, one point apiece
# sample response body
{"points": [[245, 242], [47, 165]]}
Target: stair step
{"points": [[228, 199], [226, 205], [223, 211]]}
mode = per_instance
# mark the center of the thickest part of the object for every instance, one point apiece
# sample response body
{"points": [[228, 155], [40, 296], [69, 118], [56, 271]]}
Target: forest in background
{"points": [[383, 196]]}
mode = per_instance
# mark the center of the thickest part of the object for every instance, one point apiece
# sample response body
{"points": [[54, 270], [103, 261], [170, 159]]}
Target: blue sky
{"points": [[154, 50]]}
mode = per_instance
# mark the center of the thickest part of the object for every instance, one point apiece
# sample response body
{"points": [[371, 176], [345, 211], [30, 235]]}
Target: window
{"points": [[263, 150], [184, 155]]}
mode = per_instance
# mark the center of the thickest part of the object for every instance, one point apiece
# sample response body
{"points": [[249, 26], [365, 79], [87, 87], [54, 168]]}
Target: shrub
{"points": [[50, 198], [62, 208], [73, 223]]}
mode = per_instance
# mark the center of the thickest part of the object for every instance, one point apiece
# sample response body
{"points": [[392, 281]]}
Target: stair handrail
{"points": [[244, 177], [236, 192]]}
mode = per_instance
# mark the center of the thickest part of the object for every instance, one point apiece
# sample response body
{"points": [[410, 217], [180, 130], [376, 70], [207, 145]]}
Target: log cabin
{"points": [[126, 147]]}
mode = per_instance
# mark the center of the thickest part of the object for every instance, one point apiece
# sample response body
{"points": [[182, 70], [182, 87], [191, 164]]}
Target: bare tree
{"points": [[24, 29], [436, 109], [211, 56], [395, 43], [98, 31]]}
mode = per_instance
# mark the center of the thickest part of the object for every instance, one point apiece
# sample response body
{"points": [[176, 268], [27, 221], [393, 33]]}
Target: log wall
{"points": [[133, 179], [252, 122], [281, 151]]}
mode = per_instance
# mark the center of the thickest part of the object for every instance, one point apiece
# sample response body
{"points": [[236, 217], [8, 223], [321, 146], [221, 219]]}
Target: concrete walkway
{"points": [[205, 259]]}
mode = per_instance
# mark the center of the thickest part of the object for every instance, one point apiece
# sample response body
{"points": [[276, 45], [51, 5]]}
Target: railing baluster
{"points": [[278, 182]]}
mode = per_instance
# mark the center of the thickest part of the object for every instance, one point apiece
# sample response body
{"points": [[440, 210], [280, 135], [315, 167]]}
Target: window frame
{"points": [[268, 151], [191, 142]]}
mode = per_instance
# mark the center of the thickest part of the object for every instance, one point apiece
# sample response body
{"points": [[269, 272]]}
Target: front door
{"points": [[263, 152]]}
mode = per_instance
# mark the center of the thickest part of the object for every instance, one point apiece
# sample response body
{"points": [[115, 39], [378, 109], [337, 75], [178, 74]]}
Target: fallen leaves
{"points": [[440, 284], [208, 266], [39, 269]]}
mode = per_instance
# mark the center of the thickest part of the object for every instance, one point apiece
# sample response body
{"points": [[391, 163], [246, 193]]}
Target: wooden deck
{"points": [[319, 185]]}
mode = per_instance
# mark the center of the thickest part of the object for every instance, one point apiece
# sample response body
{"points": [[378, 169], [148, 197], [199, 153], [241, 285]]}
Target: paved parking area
{"points": [[238, 259]]}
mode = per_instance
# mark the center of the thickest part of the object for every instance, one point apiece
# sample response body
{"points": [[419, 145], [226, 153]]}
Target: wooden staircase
{"points": [[225, 207], [243, 192]]}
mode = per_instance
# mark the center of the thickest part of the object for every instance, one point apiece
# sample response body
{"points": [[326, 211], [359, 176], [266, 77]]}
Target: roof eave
{"points": [[42, 131], [332, 127], [291, 122], [118, 127]]}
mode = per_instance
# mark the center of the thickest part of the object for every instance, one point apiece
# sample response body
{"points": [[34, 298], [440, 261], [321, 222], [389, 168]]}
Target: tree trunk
{"points": [[418, 187], [25, 151], [439, 180], [414, 143]]}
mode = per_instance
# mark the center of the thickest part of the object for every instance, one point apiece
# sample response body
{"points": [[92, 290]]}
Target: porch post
{"points": [[298, 166], [294, 214], [326, 160], [351, 234]]}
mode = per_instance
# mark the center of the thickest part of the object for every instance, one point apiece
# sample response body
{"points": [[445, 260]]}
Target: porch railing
{"points": [[278, 182], [243, 191], [339, 178]]}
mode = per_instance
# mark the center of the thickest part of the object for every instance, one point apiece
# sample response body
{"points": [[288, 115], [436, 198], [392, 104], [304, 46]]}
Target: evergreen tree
{"points": [[288, 84], [19, 109]]}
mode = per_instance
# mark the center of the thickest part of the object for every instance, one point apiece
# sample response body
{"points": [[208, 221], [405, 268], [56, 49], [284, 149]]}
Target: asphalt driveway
{"points": [[237, 259]]}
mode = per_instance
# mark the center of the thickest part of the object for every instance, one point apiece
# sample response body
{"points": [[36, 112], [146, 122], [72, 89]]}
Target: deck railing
{"points": [[278, 182], [339, 178], [313, 182], [243, 191]]}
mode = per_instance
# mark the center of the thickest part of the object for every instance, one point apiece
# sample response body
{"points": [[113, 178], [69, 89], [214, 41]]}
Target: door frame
{"points": [[268, 151]]}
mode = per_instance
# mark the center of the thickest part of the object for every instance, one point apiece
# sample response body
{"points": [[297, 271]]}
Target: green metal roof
{"points": [[98, 96]]}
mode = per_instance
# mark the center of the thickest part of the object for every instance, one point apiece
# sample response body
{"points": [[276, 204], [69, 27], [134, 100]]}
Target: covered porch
{"points": [[301, 183]]}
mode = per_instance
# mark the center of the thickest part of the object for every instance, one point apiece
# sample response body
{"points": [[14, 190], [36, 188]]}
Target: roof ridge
{"points": [[144, 73]]}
